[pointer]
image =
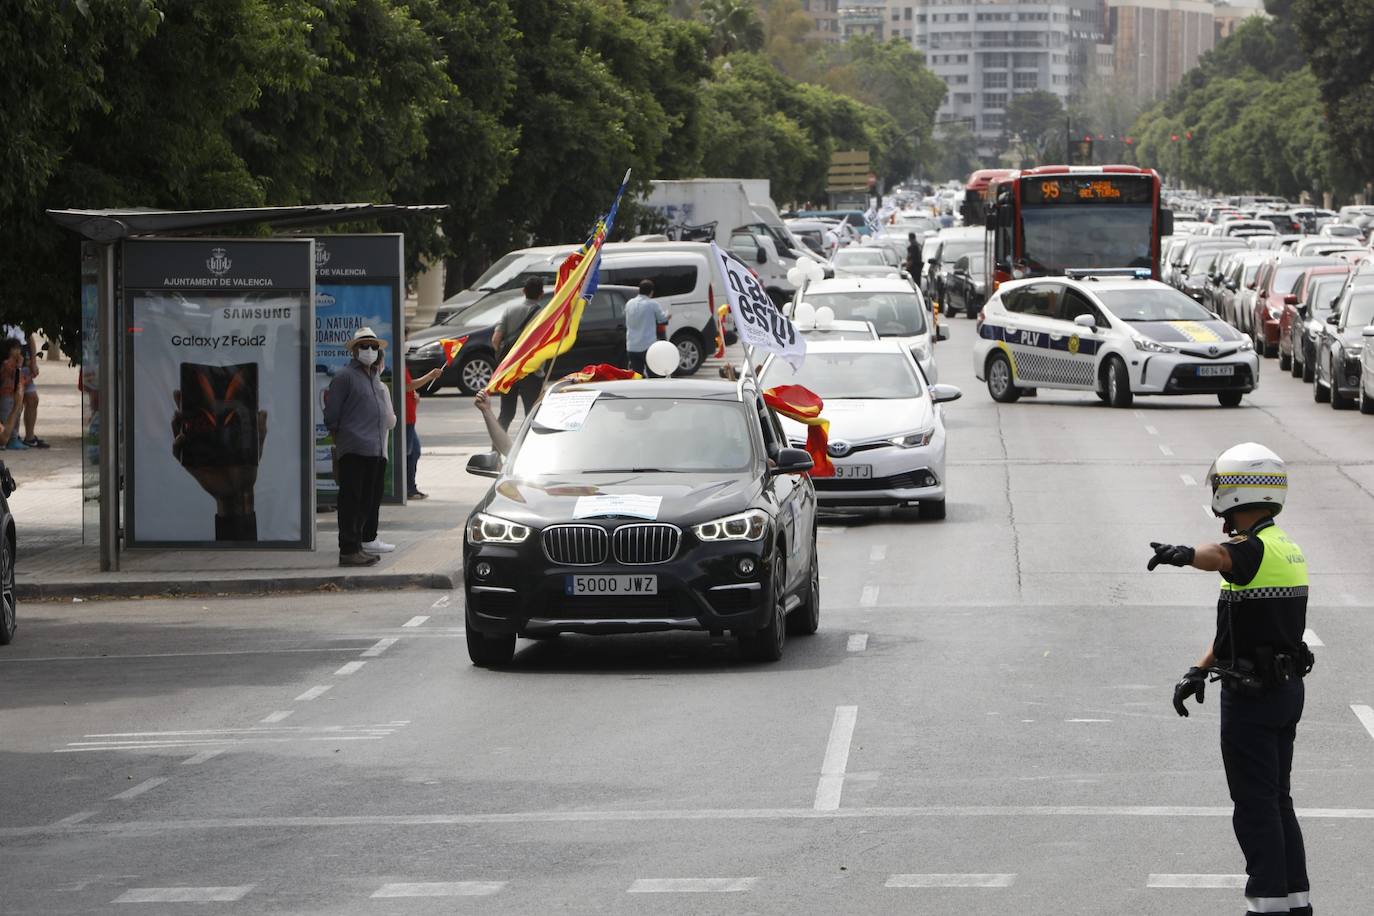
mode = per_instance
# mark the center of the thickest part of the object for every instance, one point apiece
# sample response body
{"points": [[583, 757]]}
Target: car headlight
{"points": [[429, 349], [744, 526], [920, 352], [1152, 346], [913, 440], [1245, 345], [490, 529]]}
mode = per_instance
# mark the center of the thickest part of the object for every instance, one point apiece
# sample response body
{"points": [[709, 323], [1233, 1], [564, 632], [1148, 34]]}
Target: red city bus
{"points": [[1046, 220], [978, 194]]}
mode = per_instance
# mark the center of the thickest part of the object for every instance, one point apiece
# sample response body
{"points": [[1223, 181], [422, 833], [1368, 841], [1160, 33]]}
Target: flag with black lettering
{"points": [[759, 323]]}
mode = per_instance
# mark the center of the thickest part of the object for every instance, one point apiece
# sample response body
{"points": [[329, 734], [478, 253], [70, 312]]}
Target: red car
{"points": [[1291, 320], [1273, 283]]}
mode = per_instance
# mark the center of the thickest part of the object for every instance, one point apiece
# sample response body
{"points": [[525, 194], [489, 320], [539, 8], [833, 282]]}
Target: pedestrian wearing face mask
{"points": [[360, 417]]}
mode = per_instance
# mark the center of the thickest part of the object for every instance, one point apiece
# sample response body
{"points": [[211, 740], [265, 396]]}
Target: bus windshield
{"points": [[1091, 235]]}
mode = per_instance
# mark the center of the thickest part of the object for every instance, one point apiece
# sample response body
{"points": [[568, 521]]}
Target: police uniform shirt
{"points": [[1264, 595]]}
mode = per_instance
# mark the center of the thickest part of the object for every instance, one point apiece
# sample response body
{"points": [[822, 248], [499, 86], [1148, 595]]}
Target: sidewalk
{"points": [[55, 563]]}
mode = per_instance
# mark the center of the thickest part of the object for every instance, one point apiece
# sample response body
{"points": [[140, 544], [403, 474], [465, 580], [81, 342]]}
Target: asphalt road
{"points": [[982, 725]]}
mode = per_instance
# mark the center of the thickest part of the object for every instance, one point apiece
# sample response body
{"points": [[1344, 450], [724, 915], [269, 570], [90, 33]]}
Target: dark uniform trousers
{"points": [[362, 480], [1257, 733]]}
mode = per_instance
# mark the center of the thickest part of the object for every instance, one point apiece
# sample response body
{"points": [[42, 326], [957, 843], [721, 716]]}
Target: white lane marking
{"points": [[440, 889], [1087, 720], [184, 894], [115, 658], [950, 881], [315, 692], [200, 758], [348, 669], [877, 553], [1139, 414], [416, 621], [1168, 452], [1188, 480], [1194, 881], [1151, 430], [829, 529], [277, 716], [1310, 637], [831, 784], [250, 731], [1366, 717], [146, 785], [1207, 511], [380, 646], [76, 818], [857, 642], [691, 885], [869, 596], [441, 603]]}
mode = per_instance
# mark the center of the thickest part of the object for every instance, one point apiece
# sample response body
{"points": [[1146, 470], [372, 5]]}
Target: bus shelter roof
{"points": [[113, 225]]}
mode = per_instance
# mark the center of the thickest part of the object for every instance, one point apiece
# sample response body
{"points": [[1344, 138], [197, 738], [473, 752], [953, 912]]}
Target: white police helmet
{"points": [[1247, 476]]}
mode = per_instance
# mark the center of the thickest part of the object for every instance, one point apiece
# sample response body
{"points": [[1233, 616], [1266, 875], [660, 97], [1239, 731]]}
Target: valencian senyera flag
{"points": [[804, 405], [553, 330]]}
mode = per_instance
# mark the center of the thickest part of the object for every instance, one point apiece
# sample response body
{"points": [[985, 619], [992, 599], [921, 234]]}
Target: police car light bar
{"points": [[1138, 273]]}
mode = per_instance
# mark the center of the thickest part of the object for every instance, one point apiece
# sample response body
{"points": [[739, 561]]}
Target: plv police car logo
{"points": [[321, 255], [218, 263], [1073, 344], [838, 448]]}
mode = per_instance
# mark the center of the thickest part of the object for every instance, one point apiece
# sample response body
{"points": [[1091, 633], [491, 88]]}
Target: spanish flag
{"points": [[804, 406], [553, 330], [600, 372], [451, 346]]}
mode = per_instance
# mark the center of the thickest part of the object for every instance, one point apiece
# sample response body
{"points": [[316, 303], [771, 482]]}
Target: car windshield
{"points": [[954, 249], [859, 257], [1152, 304], [893, 314], [497, 274], [628, 435], [1359, 311], [857, 376], [1060, 237], [486, 313], [1286, 277]]}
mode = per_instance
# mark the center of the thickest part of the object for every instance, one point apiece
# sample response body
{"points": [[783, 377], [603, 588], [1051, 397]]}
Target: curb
{"points": [[136, 588]]}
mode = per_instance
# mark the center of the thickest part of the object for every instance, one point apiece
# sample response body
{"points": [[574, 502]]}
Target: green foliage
{"points": [[734, 25], [1033, 119], [1338, 36]]}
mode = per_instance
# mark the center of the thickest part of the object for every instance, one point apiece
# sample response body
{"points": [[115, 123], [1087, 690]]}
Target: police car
{"points": [[1113, 332]]}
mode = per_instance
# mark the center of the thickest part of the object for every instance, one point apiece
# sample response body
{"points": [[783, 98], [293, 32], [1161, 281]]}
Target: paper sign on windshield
{"points": [[645, 507], [565, 410], [757, 321]]}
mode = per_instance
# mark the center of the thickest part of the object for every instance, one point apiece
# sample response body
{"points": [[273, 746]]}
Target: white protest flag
{"points": [[759, 324]]}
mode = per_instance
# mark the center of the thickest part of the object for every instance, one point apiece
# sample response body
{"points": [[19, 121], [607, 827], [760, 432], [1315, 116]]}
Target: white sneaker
{"points": [[378, 546]]}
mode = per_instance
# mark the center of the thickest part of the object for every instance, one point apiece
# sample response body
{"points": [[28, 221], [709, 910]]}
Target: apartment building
{"points": [[826, 15], [863, 19], [1157, 41]]}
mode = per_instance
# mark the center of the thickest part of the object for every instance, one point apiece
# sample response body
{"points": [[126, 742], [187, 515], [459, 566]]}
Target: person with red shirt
{"points": [[413, 438]]}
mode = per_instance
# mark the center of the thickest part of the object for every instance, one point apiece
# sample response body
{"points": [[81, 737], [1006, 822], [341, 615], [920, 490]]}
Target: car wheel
{"points": [[765, 645], [1295, 367], [1118, 384], [971, 311], [999, 380], [690, 352], [1320, 393], [930, 509], [806, 619], [489, 651], [9, 604], [1285, 362], [474, 372], [1340, 401], [1229, 398], [1365, 401], [1309, 366]]}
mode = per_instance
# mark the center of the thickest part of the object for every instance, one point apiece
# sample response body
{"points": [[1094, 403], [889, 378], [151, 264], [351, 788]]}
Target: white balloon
{"points": [[662, 358], [796, 276], [815, 271], [825, 317], [805, 315]]}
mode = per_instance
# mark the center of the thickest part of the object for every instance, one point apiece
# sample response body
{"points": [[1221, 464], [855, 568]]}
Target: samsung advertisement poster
{"points": [[358, 284], [218, 344]]}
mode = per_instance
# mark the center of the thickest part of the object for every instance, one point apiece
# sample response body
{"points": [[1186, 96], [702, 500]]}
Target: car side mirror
{"points": [[1166, 222], [1368, 331], [1333, 318], [942, 333], [792, 461], [762, 256], [487, 464], [1085, 321], [1250, 285], [1290, 299], [943, 394]]}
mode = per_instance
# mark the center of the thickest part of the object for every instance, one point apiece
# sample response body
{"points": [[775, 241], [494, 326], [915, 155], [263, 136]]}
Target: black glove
{"points": [[1172, 554], [1191, 684]]}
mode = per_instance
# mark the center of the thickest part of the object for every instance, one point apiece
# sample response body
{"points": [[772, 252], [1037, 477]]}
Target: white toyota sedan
{"points": [[1117, 336], [893, 306], [887, 431]]}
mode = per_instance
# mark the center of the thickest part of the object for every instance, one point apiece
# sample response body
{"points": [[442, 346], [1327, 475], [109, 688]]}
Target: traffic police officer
{"points": [[1260, 658]]}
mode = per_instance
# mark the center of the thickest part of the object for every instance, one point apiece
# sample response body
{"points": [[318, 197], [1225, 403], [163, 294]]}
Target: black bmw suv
{"points": [[640, 506]]}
